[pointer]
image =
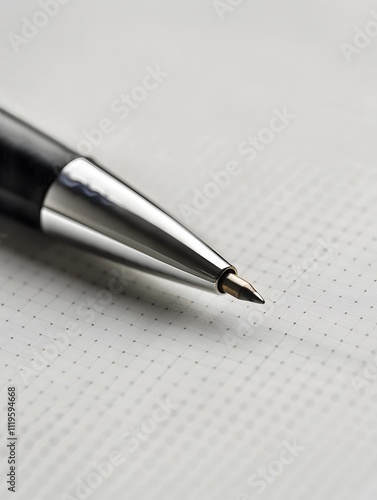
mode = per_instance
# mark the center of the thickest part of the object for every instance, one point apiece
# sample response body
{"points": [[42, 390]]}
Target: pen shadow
{"points": [[23, 247]]}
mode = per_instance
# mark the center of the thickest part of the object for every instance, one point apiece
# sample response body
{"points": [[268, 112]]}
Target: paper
{"points": [[197, 386], [261, 139]]}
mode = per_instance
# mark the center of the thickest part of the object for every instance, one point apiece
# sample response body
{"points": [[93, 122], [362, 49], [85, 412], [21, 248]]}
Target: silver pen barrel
{"points": [[92, 209]]}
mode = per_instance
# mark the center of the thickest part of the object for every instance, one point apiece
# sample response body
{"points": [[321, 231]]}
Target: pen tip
{"points": [[249, 293], [237, 287]]}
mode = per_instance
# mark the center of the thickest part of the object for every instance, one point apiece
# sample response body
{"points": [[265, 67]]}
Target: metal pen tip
{"points": [[237, 287]]}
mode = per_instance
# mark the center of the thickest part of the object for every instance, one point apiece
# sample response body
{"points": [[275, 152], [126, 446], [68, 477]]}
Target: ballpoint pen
{"points": [[49, 187]]}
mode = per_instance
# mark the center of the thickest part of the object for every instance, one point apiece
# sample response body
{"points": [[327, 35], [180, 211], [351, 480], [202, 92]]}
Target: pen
{"points": [[49, 187]]}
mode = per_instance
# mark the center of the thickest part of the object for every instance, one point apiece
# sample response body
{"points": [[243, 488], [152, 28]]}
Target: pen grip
{"points": [[29, 164]]}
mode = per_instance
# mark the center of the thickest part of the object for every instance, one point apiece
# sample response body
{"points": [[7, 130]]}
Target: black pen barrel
{"points": [[29, 164]]}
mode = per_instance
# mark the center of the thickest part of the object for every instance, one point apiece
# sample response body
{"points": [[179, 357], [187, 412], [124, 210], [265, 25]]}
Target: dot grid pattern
{"points": [[236, 382], [238, 396]]}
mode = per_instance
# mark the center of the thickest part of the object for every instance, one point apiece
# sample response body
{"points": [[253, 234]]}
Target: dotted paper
{"points": [[241, 382], [132, 388]]}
